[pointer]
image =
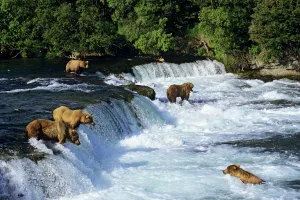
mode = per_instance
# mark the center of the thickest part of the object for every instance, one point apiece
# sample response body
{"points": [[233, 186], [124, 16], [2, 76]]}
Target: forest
{"points": [[232, 31]]}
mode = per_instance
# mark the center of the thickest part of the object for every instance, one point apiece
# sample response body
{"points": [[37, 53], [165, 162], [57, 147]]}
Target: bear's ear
{"points": [[238, 165]]}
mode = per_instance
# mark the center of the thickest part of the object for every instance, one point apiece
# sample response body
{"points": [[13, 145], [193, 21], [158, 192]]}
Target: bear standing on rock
{"points": [[75, 65], [243, 175], [182, 91], [51, 130], [72, 117]]}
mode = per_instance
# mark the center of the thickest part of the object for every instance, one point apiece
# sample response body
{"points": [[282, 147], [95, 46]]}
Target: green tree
{"points": [[61, 35], [223, 29], [143, 23], [96, 31], [275, 28], [82, 26], [16, 27], [225, 24]]}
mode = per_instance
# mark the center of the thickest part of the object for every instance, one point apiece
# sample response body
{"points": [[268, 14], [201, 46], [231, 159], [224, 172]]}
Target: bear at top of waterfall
{"points": [[44, 129], [182, 91], [243, 175], [76, 65], [72, 117]]}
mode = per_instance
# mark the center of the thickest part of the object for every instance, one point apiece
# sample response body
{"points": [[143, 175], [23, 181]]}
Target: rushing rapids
{"points": [[164, 70], [70, 170], [143, 149]]}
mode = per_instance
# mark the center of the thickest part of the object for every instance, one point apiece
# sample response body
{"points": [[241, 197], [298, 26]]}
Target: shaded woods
{"points": [[233, 32]]}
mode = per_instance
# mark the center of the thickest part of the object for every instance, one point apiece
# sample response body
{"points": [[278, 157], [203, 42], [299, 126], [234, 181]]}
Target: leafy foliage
{"points": [[276, 27], [16, 27], [143, 23], [224, 29]]}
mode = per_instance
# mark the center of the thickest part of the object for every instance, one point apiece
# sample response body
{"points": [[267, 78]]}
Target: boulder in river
{"points": [[142, 90]]}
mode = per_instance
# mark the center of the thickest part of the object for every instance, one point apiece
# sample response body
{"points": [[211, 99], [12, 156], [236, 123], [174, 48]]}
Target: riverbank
{"points": [[118, 64], [270, 74]]}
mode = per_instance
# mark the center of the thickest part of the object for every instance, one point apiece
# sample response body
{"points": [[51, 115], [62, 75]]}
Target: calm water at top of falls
{"points": [[143, 149]]}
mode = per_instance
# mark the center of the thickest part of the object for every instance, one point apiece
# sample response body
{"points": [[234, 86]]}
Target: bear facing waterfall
{"points": [[72, 117]]}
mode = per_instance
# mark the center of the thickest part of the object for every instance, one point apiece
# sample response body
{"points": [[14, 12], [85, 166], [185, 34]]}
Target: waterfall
{"points": [[194, 69], [116, 119], [69, 169]]}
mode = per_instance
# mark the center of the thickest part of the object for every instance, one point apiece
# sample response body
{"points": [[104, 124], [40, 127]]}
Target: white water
{"points": [[52, 84], [164, 70], [168, 151]]}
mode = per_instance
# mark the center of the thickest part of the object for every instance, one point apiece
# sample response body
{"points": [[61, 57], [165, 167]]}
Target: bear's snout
{"points": [[225, 171], [77, 142]]}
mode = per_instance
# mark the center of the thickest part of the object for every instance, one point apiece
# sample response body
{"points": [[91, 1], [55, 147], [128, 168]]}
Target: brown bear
{"points": [[51, 130], [72, 117], [182, 91], [75, 65], [244, 176], [160, 59]]}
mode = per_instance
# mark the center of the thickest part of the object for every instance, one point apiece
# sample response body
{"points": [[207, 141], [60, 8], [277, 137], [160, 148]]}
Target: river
{"points": [[143, 149]]}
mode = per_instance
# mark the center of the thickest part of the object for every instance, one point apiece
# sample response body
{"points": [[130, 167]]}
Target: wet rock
{"points": [[142, 90]]}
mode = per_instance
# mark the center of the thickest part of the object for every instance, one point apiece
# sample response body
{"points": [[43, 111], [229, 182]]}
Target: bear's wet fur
{"points": [[72, 117], [243, 175], [182, 91], [58, 131], [76, 65]]}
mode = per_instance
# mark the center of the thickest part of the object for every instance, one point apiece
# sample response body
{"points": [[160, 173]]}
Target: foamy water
{"points": [[184, 158], [158, 150]]}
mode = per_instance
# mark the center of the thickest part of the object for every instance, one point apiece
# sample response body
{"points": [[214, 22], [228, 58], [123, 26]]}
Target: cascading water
{"points": [[68, 169], [140, 149], [157, 70]]}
